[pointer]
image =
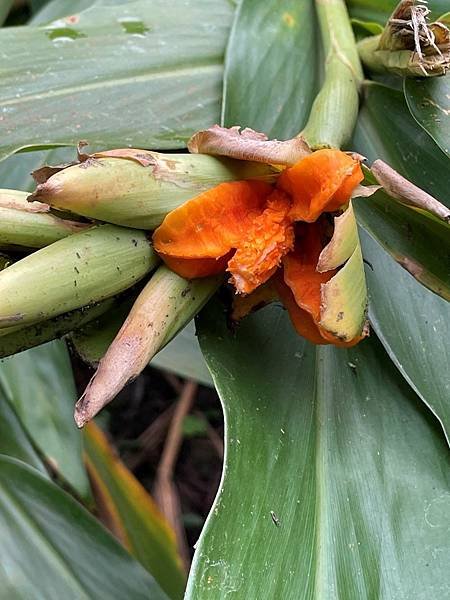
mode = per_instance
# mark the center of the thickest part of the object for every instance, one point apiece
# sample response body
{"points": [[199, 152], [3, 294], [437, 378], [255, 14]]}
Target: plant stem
{"points": [[335, 109]]}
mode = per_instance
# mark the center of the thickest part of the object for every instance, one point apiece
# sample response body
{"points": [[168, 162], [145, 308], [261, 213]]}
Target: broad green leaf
{"points": [[271, 66], [52, 548], [15, 171], [5, 7], [415, 239], [429, 103], [39, 385], [136, 74], [336, 478], [365, 28], [14, 441], [413, 326], [56, 9], [147, 534], [386, 130], [381, 10], [182, 356]]}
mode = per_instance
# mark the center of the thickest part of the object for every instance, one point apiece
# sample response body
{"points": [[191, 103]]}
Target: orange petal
{"points": [[301, 319], [211, 224], [304, 282], [191, 268], [269, 237], [321, 182], [300, 271]]}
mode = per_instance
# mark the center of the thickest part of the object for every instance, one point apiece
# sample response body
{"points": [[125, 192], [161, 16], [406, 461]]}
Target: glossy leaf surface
{"points": [[342, 476], [418, 241], [271, 67], [386, 130], [415, 335], [429, 103], [380, 10], [39, 385], [52, 548], [14, 441], [130, 74]]}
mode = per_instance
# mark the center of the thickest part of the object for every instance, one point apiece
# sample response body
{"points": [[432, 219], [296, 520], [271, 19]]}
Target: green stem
{"points": [[335, 109]]}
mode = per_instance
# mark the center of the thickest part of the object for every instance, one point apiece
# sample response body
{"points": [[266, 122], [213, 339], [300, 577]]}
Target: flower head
{"points": [[259, 232]]}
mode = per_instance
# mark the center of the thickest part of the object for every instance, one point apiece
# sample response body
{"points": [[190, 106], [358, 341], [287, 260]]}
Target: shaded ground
{"points": [[159, 444]]}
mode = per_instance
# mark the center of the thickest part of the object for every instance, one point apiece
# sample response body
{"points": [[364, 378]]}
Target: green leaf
{"points": [[386, 130], [271, 60], [147, 534], [39, 385], [182, 356], [429, 103], [415, 239], [336, 478], [365, 28], [381, 10], [53, 549], [56, 9], [140, 74], [413, 326], [15, 171], [14, 441]]}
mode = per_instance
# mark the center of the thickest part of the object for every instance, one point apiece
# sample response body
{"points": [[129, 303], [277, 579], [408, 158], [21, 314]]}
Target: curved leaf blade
{"points": [[52, 548], [14, 441], [429, 103], [413, 326], [386, 130], [415, 239], [39, 385], [316, 500], [381, 10], [139, 74], [271, 59], [149, 537]]}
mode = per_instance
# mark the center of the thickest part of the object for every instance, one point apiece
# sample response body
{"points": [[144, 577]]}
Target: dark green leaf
{"points": [[140, 74], [387, 130], [381, 10], [148, 536], [52, 548], [409, 328], [429, 103], [182, 356], [414, 327], [13, 439], [417, 240], [39, 385], [271, 66], [336, 477], [56, 9], [15, 171]]}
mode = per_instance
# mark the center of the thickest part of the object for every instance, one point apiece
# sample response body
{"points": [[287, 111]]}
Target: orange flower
{"points": [[247, 228]]}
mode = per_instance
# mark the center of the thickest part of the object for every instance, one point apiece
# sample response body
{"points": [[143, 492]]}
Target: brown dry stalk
{"points": [[248, 145], [166, 493], [400, 188]]}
